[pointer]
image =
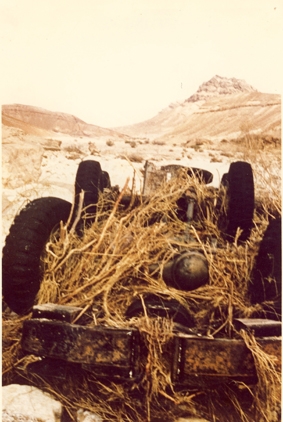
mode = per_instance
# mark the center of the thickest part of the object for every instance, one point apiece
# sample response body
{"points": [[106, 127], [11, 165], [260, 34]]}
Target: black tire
{"points": [[224, 180], [240, 201], [266, 277], [106, 183], [159, 307], [89, 180], [21, 265]]}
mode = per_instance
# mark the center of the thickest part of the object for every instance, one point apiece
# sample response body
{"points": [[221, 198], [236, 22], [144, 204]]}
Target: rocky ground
{"points": [[40, 161], [33, 169]]}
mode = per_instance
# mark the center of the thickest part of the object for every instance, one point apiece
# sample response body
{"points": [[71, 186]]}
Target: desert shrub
{"points": [[216, 160], [158, 142], [109, 143], [92, 148], [73, 152], [136, 158], [73, 149], [199, 142], [226, 154], [195, 147], [73, 156], [266, 164], [132, 143], [133, 157]]}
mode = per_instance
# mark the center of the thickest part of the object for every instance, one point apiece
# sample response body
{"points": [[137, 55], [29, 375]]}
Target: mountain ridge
{"points": [[54, 121], [220, 108], [236, 102]]}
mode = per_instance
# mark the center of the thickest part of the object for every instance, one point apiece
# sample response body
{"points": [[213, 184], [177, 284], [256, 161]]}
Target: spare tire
{"points": [[240, 201], [266, 277], [22, 269]]}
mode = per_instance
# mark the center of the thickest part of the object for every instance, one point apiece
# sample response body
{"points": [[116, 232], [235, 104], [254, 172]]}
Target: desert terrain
{"points": [[41, 149], [224, 121]]}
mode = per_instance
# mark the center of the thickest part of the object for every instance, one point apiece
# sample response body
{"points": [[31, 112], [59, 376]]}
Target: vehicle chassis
{"points": [[193, 360]]}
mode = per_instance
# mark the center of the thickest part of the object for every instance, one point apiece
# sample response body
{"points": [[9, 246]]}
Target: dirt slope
{"points": [[229, 118], [221, 108], [51, 121], [25, 127]]}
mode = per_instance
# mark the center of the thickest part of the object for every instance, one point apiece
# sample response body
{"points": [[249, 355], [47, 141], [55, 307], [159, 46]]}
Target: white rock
{"points": [[27, 403], [21, 163], [15, 417], [86, 416]]}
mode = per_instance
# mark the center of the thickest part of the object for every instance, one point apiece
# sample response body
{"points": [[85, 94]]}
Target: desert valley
{"points": [[41, 149], [224, 121]]}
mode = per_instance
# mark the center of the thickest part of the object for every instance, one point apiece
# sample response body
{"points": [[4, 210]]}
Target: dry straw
{"points": [[109, 266]]}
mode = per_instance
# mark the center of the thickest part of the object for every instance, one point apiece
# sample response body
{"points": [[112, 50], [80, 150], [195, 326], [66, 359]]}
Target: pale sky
{"points": [[118, 62]]}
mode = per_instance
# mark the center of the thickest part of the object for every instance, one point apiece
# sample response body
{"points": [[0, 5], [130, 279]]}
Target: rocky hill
{"points": [[29, 118], [218, 86], [221, 108]]}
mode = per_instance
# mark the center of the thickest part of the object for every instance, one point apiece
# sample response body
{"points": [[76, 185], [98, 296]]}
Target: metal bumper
{"points": [[117, 354]]}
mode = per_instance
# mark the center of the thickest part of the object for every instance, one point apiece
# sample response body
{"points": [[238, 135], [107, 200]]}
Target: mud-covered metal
{"points": [[154, 177], [115, 353], [187, 271], [112, 352], [258, 326], [205, 361], [58, 312]]}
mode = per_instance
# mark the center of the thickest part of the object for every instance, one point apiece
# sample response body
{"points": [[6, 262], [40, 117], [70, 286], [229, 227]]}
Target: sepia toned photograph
{"points": [[141, 210]]}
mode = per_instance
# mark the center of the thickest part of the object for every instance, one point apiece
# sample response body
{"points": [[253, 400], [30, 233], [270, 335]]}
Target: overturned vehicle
{"points": [[165, 284]]}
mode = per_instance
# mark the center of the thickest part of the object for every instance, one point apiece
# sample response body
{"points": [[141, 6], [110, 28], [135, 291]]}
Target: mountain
{"points": [[218, 86], [35, 120], [220, 108]]}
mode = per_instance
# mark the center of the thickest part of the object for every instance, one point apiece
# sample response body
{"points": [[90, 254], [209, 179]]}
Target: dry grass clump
{"points": [[133, 157], [158, 142], [73, 149], [267, 167], [259, 141], [133, 144], [110, 143], [109, 266], [11, 351], [269, 380], [112, 259]]}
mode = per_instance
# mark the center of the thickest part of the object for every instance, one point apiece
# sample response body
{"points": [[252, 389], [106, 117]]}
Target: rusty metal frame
{"points": [[193, 360]]}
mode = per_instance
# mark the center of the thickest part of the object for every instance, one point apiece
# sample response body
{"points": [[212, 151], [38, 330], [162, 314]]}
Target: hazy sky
{"points": [[116, 62]]}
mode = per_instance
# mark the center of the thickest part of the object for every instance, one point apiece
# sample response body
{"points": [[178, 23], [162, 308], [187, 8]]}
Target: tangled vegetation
{"points": [[108, 267]]}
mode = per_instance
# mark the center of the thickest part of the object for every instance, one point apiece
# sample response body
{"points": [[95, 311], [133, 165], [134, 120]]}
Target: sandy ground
{"points": [[58, 168]]}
